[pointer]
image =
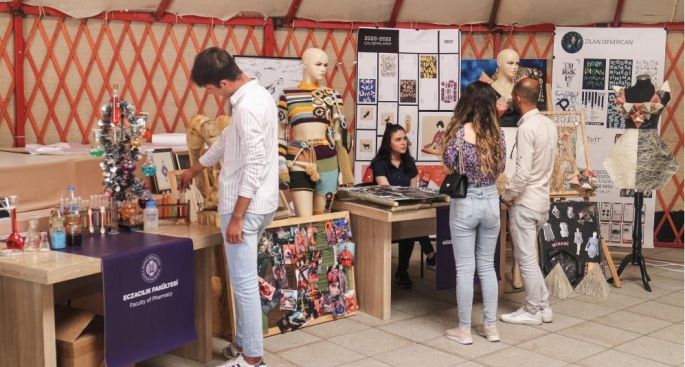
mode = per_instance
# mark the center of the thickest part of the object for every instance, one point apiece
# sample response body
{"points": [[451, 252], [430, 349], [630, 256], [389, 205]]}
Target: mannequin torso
{"points": [[313, 114]]}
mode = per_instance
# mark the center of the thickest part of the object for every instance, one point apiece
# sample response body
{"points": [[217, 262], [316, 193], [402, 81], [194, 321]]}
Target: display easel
{"points": [[572, 122]]}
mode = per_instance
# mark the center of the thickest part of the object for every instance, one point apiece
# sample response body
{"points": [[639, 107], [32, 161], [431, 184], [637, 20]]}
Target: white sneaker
{"points": [[547, 314], [240, 362], [489, 332], [521, 316], [460, 335]]}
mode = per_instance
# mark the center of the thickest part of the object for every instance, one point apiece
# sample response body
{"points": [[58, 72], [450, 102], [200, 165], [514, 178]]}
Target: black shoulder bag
{"points": [[456, 184]]}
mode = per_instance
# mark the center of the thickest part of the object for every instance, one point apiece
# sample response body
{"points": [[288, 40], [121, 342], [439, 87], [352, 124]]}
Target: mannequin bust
{"points": [[314, 144], [507, 74], [507, 69]]}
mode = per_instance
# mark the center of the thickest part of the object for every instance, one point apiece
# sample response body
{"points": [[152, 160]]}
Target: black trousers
{"points": [[406, 247]]}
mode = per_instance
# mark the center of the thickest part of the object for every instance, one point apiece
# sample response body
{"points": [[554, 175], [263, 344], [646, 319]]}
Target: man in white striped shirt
{"points": [[248, 188]]}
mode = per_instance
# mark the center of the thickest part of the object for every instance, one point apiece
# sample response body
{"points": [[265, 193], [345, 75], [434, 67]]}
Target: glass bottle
{"points": [[149, 167], [58, 234], [97, 149], [128, 209], [136, 138], [73, 230], [32, 236], [44, 245], [144, 197], [14, 241]]}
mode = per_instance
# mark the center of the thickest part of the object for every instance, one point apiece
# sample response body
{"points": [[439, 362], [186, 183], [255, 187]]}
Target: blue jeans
{"points": [[474, 228], [242, 270]]}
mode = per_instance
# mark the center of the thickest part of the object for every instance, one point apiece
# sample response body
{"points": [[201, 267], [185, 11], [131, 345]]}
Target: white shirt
{"points": [[249, 148], [536, 144]]}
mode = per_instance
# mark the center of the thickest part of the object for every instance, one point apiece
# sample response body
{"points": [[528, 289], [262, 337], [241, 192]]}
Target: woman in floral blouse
{"points": [[474, 136]]}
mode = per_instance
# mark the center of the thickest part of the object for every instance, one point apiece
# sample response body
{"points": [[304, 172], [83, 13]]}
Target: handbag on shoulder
{"points": [[456, 184]]}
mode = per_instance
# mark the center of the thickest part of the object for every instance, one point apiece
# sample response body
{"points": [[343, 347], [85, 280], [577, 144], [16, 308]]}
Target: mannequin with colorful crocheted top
{"points": [[640, 159], [508, 73], [314, 143]]}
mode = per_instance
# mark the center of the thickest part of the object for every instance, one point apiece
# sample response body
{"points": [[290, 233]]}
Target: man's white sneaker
{"points": [[521, 316], [547, 314]]}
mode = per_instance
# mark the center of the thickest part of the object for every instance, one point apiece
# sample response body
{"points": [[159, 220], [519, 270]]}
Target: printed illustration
{"points": [[407, 91], [620, 73], [594, 74], [388, 65], [367, 91], [428, 66]]}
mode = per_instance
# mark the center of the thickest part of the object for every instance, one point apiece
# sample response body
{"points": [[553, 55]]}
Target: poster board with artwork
{"points": [[306, 272], [588, 62], [272, 73], [571, 237], [409, 78]]}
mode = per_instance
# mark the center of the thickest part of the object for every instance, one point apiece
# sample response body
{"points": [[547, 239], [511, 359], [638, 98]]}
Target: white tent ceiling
{"points": [[453, 12]]}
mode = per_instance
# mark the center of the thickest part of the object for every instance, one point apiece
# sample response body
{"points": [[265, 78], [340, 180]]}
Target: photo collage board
{"points": [[588, 62], [411, 78], [306, 273]]}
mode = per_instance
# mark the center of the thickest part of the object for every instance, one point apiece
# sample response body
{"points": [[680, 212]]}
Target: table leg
{"points": [[372, 265], [201, 349], [27, 319]]}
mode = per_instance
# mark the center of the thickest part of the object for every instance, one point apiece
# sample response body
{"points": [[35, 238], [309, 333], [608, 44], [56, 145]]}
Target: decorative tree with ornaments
{"points": [[121, 138]]}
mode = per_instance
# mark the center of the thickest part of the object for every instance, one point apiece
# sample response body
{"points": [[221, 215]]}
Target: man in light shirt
{"points": [[248, 188], [527, 197]]}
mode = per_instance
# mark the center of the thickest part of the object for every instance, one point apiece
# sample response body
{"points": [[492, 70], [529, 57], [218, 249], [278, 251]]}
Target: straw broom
{"points": [[594, 284], [558, 284]]}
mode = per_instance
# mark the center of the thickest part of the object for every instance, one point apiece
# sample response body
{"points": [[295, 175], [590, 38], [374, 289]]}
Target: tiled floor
{"points": [[631, 327]]}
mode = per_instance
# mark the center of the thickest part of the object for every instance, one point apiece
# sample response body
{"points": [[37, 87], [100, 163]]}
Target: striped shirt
{"points": [[249, 148], [307, 103]]}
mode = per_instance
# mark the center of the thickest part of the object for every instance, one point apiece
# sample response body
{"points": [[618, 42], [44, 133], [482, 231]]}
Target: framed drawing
{"points": [[165, 161], [272, 73], [182, 160]]}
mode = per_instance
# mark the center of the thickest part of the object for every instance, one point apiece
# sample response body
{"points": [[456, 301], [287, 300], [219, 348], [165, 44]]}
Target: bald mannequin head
{"points": [[314, 62], [525, 95], [508, 63]]}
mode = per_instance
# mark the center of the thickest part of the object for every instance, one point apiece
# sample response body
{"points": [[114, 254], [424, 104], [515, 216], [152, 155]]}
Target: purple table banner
{"points": [[148, 283], [445, 270]]}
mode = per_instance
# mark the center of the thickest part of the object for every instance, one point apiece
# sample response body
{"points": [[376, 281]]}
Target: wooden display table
{"points": [[374, 230], [32, 283]]}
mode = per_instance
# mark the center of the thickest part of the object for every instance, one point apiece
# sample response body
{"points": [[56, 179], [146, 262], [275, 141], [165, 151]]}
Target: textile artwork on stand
{"points": [[571, 237], [306, 271]]}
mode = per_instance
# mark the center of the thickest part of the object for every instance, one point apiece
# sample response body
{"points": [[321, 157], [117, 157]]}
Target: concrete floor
{"points": [[631, 327]]}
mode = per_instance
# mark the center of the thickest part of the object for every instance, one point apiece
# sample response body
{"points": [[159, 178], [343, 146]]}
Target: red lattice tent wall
{"points": [[56, 68]]}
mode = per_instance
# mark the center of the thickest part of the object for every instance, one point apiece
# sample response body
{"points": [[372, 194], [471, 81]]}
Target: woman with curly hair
{"points": [[474, 145]]}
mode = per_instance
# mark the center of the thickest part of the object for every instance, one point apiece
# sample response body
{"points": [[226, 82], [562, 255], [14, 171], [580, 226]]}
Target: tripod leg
{"points": [[643, 270], [624, 263]]}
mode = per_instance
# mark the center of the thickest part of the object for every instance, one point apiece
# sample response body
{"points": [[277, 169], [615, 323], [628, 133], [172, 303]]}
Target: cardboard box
{"points": [[80, 337]]}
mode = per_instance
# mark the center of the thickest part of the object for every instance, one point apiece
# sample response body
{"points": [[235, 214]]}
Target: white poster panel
{"points": [[415, 41], [428, 82], [408, 117], [387, 114], [448, 66], [388, 67], [366, 117], [587, 63], [449, 41], [366, 149], [367, 74], [409, 70], [432, 134]]}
